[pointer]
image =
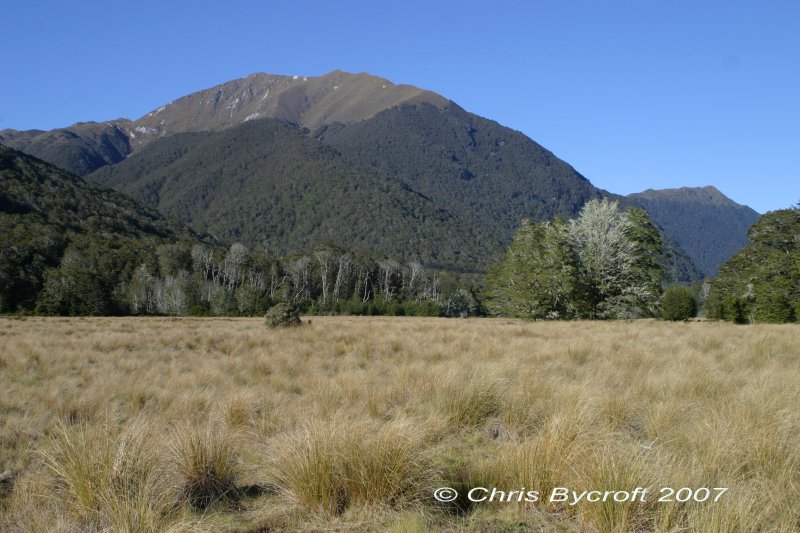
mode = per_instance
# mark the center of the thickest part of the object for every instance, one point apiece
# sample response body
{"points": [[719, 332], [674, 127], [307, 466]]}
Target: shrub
{"points": [[198, 310], [462, 304], [678, 303], [283, 315]]}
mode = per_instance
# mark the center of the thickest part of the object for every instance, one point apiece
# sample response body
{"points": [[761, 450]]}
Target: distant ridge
{"points": [[708, 226]]}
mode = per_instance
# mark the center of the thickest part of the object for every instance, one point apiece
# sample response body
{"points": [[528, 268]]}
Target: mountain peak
{"points": [[308, 101]]}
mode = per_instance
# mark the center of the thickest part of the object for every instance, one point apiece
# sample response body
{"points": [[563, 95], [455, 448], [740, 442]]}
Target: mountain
{"points": [[351, 159], [309, 102], [269, 185], [706, 224], [438, 185], [50, 218], [419, 183]]}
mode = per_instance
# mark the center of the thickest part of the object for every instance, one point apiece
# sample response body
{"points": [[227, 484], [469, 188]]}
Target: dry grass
{"points": [[142, 424]]}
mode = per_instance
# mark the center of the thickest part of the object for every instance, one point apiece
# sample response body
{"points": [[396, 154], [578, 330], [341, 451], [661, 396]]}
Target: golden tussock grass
{"points": [[350, 423]]}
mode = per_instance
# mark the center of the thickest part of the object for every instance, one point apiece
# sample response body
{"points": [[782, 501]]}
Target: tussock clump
{"points": [[208, 466], [331, 465], [110, 482], [283, 315], [470, 401], [539, 463], [607, 467]]}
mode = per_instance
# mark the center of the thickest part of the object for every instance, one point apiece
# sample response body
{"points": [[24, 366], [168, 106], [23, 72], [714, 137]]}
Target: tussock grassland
{"points": [[350, 423]]}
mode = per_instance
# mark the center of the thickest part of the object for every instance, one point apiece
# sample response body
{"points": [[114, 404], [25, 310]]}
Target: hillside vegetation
{"points": [[157, 425], [79, 149], [75, 248], [63, 234], [492, 176]]}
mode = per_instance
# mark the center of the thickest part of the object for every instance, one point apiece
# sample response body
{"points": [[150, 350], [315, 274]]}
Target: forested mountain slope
{"points": [[79, 149], [491, 175], [50, 219], [708, 225], [267, 184]]}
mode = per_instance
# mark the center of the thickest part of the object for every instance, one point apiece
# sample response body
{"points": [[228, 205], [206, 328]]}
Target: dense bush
{"points": [[678, 303], [283, 315]]}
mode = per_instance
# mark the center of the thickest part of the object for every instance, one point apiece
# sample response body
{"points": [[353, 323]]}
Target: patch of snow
{"points": [[145, 130], [160, 109], [265, 96], [305, 78], [335, 87], [251, 116], [295, 77], [383, 86]]}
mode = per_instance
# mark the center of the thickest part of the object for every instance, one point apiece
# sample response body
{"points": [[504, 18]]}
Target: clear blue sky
{"points": [[635, 95]]}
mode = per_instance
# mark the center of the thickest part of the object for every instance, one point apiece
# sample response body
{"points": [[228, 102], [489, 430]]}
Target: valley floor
{"points": [[351, 423]]}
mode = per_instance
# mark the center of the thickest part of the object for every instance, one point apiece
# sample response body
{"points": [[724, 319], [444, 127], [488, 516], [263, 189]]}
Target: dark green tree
{"points": [[761, 283], [538, 276], [678, 303]]}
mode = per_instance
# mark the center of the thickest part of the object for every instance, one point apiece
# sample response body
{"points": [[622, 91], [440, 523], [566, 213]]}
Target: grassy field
{"points": [[350, 424]]}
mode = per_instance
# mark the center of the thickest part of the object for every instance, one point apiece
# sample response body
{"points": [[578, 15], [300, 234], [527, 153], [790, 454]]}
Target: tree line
{"points": [[96, 277], [604, 264]]}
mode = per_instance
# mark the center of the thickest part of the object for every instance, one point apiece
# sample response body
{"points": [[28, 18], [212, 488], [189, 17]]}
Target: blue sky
{"points": [[634, 94]]}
